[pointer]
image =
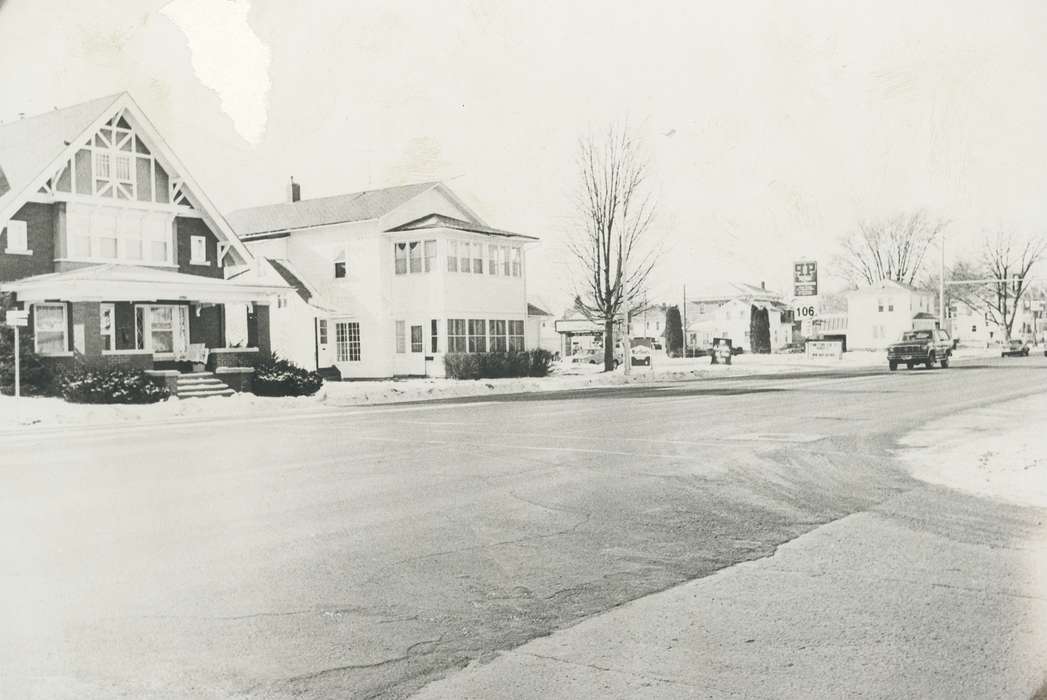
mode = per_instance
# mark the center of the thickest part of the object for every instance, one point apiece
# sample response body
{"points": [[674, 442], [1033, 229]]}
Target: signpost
{"points": [[805, 295], [17, 319]]}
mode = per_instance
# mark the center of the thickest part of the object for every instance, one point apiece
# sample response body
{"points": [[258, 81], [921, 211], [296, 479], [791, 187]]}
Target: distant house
{"points": [[540, 331], [728, 312], [389, 280], [877, 314]]}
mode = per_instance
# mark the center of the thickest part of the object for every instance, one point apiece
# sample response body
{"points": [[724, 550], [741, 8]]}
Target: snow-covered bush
{"points": [[110, 386], [492, 365], [275, 376]]}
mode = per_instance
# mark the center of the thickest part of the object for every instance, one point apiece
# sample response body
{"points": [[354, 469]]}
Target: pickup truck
{"points": [[923, 347]]}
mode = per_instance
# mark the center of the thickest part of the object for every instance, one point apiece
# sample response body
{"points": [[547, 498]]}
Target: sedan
{"points": [[1015, 348]]}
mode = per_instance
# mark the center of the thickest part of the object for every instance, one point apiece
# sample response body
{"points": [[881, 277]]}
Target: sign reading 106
{"points": [[804, 311]]}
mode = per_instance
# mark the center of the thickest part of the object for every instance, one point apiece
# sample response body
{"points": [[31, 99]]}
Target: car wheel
{"points": [[945, 362], [931, 359], [1026, 353], [892, 364], [1003, 354], [908, 365]]}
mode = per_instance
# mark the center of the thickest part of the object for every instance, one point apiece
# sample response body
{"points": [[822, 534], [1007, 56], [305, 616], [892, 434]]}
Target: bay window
{"points": [[50, 328], [430, 256], [478, 258], [414, 249], [452, 256]]}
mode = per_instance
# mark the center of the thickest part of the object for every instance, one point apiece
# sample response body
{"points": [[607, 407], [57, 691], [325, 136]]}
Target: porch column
{"points": [[261, 315]]}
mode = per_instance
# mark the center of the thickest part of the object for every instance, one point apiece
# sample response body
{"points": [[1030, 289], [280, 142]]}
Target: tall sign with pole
{"points": [[805, 295], [17, 319]]}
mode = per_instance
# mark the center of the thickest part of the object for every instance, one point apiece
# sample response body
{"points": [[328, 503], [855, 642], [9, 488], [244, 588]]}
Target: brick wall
{"points": [[185, 228], [40, 234], [232, 359]]}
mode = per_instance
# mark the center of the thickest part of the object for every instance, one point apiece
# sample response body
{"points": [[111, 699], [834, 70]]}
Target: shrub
{"points": [[275, 376], [110, 386], [493, 365]]}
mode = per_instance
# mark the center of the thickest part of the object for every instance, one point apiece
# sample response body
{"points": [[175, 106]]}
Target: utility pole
{"points": [[941, 279], [684, 320], [18, 366]]}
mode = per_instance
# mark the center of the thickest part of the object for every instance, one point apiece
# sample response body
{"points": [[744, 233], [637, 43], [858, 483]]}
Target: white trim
{"points": [[8, 251], [230, 351], [64, 353], [65, 328], [186, 212], [132, 351], [119, 261]]}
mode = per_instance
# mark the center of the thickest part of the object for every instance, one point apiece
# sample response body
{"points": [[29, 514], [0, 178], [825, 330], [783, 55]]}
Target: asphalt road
{"points": [[368, 552]]}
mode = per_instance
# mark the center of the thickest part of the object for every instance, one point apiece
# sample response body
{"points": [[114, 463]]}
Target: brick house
{"points": [[119, 256]]}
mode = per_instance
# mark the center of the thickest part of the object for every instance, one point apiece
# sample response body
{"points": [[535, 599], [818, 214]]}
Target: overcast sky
{"points": [[771, 127]]}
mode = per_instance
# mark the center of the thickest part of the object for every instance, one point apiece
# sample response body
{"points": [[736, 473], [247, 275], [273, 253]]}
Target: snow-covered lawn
{"points": [[55, 412], [998, 451]]}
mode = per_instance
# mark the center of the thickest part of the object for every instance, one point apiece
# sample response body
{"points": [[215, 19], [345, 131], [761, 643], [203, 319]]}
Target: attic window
{"points": [[16, 237], [339, 269]]}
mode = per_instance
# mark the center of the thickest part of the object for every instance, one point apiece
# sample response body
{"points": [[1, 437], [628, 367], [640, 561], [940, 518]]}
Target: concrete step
{"points": [[203, 393], [200, 381]]}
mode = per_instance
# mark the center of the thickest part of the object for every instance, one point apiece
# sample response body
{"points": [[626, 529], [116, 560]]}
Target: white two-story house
{"points": [[389, 280]]}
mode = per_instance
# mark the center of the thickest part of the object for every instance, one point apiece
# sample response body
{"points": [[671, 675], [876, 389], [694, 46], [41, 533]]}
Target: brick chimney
{"points": [[294, 191]]}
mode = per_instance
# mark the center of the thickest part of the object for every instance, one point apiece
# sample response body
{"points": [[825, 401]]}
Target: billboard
{"points": [[805, 278]]}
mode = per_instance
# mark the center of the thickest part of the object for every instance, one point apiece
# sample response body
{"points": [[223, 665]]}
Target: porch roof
{"points": [[136, 283]]}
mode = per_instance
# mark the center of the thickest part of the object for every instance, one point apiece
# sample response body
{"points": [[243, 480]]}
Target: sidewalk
{"points": [[45, 412], [935, 594]]}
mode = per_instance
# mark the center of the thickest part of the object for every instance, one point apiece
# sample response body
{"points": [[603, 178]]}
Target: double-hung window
{"points": [[416, 339], [434, 336], [197, 250], [414, 249], [400, 252], [497, 332], [162, 328], [492, 259], [401, 340], [107, 325], [477, 335], [452, 256], [456, 336], [321, 329], [464, 261], [516, 336], [50, 328], [517, 262], [478, 258], [430, 256], [503, 258], [16, 235]]}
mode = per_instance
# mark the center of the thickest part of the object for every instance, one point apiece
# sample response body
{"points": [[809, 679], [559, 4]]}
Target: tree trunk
{"points": [[608, 345]]}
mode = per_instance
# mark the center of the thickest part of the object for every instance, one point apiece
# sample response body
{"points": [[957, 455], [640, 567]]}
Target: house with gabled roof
{"points": [[878, 314], [729, 310], [399, 276], [117, 253]]}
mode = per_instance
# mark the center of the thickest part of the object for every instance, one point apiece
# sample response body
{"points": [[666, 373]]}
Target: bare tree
{"points": [[888, 249], [616, 210], [1008, 259]]}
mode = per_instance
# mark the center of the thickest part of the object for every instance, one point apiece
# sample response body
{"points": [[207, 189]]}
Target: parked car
{"points": [[592, 356], [640, 355], [922, 347], [1016, 348]]}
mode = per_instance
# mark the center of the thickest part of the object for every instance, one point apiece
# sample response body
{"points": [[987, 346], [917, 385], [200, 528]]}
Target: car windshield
{"points": [[916, 335]]}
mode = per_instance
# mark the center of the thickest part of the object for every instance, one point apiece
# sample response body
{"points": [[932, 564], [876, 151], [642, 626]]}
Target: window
{"points": [[430, 256], [492, 259], [162, 328], [434, 336], [339, 270], [452, 256], [17, 239], [401, 340], [415, 252], [197, 250], [477, 335], [503, 257], [879, 305], [416, 339], [890, 305], [347, 341], [516, 336], [478, 258], [401, 258], [464, 259], [50, 328], [456, 337], [107, 325], [517, 263], [498, 343], [322, 330]]}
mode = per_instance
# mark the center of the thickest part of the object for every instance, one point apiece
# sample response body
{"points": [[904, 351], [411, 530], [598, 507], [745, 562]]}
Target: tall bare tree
{"points": [[616, 210], [1008, 259], [888, 249]]}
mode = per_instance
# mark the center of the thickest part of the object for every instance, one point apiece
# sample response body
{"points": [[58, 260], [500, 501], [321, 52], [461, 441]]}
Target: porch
{"points": [[146, 319]]}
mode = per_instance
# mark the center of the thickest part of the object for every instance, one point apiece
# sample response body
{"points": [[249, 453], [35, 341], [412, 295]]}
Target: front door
{"points": [[324, 343]]}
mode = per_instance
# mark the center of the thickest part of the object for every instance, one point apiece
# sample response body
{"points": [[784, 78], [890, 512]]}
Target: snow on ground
{"points": [[999, 451], [55, 412]]}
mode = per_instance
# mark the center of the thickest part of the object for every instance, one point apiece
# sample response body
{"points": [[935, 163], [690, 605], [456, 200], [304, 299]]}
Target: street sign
{"points": [[17, 318], [824, 350], [805, 278]]}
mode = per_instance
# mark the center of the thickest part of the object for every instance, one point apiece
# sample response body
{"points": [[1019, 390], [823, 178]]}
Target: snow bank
{"points": [[998, 451]]}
